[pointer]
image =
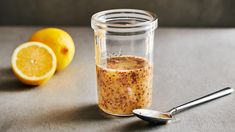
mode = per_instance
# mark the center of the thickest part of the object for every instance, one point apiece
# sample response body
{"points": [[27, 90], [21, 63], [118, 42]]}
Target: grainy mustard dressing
{"points": [[124, 84]]}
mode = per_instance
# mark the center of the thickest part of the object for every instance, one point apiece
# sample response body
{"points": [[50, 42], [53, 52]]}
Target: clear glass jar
{"points": [[124, 40]]}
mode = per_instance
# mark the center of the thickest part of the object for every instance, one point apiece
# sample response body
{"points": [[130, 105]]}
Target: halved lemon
{"points": [[33, 63]]}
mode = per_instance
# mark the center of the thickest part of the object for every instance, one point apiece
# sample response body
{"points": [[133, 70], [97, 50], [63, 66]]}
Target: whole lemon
{"points": [[60, 42]]}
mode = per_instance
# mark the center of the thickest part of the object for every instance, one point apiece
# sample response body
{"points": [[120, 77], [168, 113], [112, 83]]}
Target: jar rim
{"points": [[97, 21]]}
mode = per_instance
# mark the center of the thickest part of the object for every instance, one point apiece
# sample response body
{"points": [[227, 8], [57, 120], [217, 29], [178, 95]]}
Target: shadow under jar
{"points": [[124, 40]]}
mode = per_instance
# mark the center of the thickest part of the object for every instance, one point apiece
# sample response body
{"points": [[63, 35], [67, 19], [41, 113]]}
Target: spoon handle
{"points": [[206, 98]]}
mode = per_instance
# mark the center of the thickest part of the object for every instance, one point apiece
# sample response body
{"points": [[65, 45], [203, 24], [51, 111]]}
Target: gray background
{"points": [[177, 13], [200, 62]]}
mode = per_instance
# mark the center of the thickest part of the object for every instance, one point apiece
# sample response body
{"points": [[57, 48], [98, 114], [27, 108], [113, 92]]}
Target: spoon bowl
{"points": [[153, 116]]}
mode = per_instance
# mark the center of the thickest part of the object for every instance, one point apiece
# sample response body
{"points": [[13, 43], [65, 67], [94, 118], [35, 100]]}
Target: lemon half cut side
{"points": [[33, 63]]}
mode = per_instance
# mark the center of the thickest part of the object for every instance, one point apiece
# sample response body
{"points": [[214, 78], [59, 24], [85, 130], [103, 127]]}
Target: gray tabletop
{"points": [[189, 63]]}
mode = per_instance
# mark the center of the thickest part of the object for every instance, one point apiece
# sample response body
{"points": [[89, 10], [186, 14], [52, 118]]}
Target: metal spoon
{"points": [[153, 116]]}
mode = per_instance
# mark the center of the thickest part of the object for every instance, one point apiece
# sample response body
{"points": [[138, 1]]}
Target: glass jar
{"points": [[124, 40]]}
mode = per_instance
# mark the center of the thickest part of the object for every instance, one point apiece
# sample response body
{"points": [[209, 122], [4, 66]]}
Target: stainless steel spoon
{"points": [[155, 117]]}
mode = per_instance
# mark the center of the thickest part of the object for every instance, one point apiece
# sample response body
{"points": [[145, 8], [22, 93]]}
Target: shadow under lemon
{"points": [[8, 81]]}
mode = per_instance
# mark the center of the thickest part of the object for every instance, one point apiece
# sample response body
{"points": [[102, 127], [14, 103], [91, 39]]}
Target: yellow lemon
{"points": [[33, 63], [60, 42]]}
